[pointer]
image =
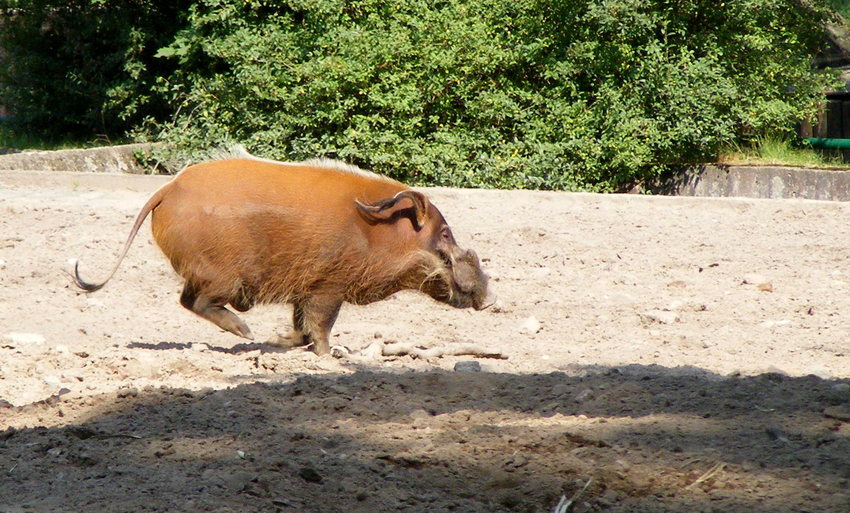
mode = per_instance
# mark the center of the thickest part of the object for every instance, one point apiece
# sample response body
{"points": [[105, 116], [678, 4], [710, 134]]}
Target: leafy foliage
{"points": [[85, 67], [841, 7], [529, 93], [556, 94]]}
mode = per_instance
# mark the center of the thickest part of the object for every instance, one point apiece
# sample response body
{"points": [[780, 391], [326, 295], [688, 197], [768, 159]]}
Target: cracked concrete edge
{"points": [[757, 182], [106, 159]]}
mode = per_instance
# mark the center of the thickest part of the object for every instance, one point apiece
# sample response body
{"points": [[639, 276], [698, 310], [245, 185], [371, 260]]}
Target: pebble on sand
{"points": [[23, 339], [530, 326]]}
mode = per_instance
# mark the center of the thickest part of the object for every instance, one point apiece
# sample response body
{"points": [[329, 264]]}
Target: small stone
{"points": [[561, 389], [775, 324], [23, 339], [675, 306], [468, 366], [340, 389], [52, 381], [128, 392], [420, 414], [236, 481], [659, 316], [584, 395], [515, 461], [166, 450], [839, 394], [310, 475], [95, 303], [841, 412], [841, 388], [82, 459], [373, 351], [512, 500], [761, 283], [530, 326]]}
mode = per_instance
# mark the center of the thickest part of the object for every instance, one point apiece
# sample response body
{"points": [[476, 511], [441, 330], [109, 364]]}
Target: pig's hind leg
{"points": [[214, 311]]}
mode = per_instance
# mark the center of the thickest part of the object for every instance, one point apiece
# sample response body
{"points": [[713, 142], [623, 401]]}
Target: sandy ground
{"points": [[677, 354]]}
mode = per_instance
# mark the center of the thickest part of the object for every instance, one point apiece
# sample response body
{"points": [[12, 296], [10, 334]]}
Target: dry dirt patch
{"points": [[681, 354]]}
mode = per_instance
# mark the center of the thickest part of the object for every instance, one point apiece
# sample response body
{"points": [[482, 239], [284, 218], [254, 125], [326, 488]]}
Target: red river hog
{"points": [[315, 234]]}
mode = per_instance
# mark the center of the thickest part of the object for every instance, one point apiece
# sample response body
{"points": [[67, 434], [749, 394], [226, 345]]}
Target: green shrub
{"points": [[486, 93], [84, 68], [553, 94], [842, 7]]}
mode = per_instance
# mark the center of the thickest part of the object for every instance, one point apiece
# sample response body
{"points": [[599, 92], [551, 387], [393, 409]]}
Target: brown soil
{"points": [[680, 354]]}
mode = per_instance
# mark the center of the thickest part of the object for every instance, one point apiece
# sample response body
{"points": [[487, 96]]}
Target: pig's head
{"points": [[442, 269]]}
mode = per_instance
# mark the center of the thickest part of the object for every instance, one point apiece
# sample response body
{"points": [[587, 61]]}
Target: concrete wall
{"points": [[109, 159], [758, 182]]}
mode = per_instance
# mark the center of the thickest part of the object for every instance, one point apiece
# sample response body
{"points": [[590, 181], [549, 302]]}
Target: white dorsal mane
{"points": [[239, 152]]}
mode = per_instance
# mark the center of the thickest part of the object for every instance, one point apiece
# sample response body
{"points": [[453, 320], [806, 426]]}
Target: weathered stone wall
{"points": [[108, 159], [758, 182]]}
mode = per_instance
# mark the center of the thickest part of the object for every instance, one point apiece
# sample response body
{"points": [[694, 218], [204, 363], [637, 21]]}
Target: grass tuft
{"points": [[777, 151]]}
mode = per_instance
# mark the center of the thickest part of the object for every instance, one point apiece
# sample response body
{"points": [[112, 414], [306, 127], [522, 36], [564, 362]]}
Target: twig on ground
{"points": [[708, 474], [438, 352], [378, 349], [104, 436], [564, 505]]}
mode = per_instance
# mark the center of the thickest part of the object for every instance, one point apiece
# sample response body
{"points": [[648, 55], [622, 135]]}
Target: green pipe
{"points": [[828, 143]]}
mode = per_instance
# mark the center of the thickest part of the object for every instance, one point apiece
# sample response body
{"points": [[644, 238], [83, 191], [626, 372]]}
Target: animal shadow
{"points": [[236, 349]]}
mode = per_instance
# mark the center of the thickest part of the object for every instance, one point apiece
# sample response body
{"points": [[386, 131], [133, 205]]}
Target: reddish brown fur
{"points": [[247, 231]]}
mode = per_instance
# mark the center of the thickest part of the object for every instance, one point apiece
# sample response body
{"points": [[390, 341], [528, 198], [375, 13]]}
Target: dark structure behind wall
{"points": [[833, 122]]}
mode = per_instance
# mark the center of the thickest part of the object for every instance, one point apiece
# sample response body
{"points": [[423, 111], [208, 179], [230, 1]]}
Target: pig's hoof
{"points": [[240, 329], [290, 341], [321, 349]]}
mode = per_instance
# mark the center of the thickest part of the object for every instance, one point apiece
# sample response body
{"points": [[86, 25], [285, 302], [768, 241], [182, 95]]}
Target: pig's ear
{"points": [[384, 210]]}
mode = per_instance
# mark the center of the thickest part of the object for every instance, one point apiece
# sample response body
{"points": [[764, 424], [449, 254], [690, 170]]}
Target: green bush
{"points": [[84, 68], [555, 94], [842, 7], [569, 94]]}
